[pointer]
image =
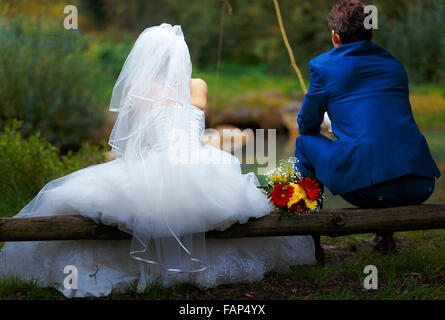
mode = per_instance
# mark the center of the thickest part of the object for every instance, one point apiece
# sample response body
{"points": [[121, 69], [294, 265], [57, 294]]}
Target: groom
{"points": [[380, 158]]}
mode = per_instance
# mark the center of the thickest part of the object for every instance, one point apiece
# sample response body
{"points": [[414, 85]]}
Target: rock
{"points": [[239, 117], [255, 110], [289, 115]]}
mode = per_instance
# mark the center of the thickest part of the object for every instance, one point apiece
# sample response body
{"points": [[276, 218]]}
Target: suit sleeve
{"points": [[312, 112]]}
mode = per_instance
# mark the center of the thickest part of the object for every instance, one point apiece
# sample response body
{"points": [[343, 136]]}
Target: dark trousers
{"points": [[403, 191], [406, 190]]}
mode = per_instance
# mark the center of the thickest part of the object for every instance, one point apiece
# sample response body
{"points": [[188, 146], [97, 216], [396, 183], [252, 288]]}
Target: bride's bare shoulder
{"points": [[198, 93]]}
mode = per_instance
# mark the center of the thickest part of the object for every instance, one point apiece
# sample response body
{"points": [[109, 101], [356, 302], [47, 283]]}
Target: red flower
{"points": [[311, 187], [281, 194], [300, 206]]}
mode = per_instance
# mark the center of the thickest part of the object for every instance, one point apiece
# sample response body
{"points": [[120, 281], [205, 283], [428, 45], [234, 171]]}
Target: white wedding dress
{"points": [[165, 188]]}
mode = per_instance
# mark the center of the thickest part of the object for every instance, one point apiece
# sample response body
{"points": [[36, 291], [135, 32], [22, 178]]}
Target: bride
{"points": [[165, 188]]}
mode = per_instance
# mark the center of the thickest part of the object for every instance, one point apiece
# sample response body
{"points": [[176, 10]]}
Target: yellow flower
{"points": [[289, 171], [300, 194], [278, 179], [311, 204]]}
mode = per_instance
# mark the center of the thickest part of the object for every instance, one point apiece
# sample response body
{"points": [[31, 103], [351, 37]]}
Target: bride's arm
{"points": [[199, 93]]}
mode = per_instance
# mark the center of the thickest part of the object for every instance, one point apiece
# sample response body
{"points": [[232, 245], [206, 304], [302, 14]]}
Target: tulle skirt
{"points": [[105, 266], [167, 208]]}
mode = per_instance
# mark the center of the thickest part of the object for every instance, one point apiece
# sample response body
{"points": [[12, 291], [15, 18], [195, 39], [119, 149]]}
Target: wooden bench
{"points": [[333, 223]]}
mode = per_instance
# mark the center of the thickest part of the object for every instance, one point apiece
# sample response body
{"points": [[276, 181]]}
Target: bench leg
{"points": [[319, 252]]}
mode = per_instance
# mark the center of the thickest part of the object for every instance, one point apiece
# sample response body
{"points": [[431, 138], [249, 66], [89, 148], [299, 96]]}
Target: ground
{"points": [[415, 271]]}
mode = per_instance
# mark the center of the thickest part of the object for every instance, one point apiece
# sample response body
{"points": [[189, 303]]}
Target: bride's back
{"points": [[179, 126]]}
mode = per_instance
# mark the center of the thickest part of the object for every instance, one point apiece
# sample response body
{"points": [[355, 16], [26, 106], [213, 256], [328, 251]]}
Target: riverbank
{"points": [[250, 97]]}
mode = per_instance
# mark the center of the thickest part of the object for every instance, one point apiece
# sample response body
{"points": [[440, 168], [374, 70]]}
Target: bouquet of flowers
{"points": [[290, 193]]}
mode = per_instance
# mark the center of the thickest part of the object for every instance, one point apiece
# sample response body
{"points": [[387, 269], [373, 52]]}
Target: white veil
{"points": [[156, 73]]}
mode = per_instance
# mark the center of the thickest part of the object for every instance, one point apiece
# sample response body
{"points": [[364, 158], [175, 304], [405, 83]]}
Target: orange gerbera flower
{"points": [[281, 194], [311, 188]]}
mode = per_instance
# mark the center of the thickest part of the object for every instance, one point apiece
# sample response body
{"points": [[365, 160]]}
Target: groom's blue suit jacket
{"points": [[364, 89]]}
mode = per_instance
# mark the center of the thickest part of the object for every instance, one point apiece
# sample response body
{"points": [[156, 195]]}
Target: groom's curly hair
{"points": [[347, 18]]}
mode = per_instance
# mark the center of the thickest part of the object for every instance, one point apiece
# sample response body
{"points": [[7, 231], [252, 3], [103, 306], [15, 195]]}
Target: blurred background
{"points": [[55, 84]]}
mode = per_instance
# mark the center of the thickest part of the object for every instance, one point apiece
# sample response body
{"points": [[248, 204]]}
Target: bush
{"points": [[27, 165], [51, 83], [111, 56], [417, 40]]}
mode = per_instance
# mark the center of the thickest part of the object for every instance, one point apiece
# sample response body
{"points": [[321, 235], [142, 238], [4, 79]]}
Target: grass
{"points": [[415, 271], [429, 109], [235, 81], [15, 288]]}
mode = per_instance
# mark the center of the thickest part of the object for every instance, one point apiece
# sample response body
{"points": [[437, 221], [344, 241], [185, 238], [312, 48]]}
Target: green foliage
{"points": [[50, 83], [412, 30], [111, 56], [27, 165], [417, 40]]}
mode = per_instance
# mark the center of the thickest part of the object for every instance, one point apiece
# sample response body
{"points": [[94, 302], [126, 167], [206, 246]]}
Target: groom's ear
{"points": [[335, 39]]}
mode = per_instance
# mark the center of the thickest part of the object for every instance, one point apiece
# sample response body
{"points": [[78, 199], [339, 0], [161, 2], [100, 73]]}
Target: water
{"points": [[436, 142]]}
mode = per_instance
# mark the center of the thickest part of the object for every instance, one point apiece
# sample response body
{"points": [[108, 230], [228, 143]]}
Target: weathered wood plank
{"points": [[327, 222]]}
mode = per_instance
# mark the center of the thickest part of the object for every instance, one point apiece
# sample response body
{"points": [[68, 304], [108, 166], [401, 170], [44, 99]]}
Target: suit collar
{"points": [[359, 48]]}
